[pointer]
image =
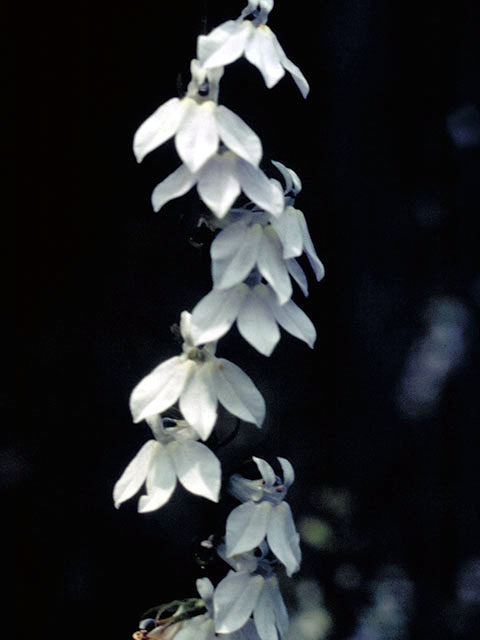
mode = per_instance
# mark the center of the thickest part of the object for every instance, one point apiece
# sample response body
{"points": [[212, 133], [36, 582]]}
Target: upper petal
{"points": [[197, 137], [159, 127], [234, 600], [261, 51], [237, 393], [224, 44], [161, 481], [283, 538], [197, 468], [135, 474], [266, 471], [288, 471], [174, 186], [238, 136], [160, 388], [247, 527]]}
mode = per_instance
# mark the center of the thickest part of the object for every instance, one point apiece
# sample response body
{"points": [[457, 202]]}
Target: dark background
{"points": [[387, 146]]}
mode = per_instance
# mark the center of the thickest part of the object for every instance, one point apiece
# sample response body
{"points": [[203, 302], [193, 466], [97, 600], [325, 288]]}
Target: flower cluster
{"points": [[254, 268]]}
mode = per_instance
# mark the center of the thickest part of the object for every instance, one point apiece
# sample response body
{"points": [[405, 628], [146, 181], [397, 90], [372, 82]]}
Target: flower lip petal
{"points": [[238, 136], [197, 468], [234, 600], [197, 137], [160, 126], [135, 474]]}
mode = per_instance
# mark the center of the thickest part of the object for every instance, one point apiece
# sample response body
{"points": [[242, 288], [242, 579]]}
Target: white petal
{"points": [[205, 589], [266, 471], [134, 475], [160, 388], [198, 628], [272, 267], [292, 181], [294, 320], [270, 613], [223, 45], [290, 233], [218, 185], [256, 323], [247, 527], [198, 401], [314, 260], [298, 274], [234, 600], [264, 616], [294, 71], [213, 316], [174, 186], [258, 188], [261, 51], [234, 254], [288, 471], [197, 468], [283, 538], [197, 137], [238, 136], [159, 127], [237, 392], [161, 481]]}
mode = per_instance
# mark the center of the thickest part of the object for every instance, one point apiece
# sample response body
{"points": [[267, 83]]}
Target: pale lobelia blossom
{"points": [[199, 380], [255, 40], [174, 453], [291, 226], [264, 514], [202, 627], [219, 183], [250, 588], [256, 310], [199, 124]]}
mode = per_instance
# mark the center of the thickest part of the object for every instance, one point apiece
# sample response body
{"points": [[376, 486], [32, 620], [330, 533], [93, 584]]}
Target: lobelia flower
{"points": [[291, 226], [199, 380], [264, 514], [174, 453], [202, 627], [198, 124], [219, 182], [253, 39], [256, 310], [251, 588]]}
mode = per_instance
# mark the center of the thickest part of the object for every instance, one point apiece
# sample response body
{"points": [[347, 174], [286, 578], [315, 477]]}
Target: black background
{"points": [[392, 206]]}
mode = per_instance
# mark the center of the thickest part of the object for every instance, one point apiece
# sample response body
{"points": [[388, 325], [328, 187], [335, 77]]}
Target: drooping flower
{"points": [[219, 182], [199, 380], [174, 453], [198, 124], [264, 514], [256, 41], [250, 588], [256, 311]]}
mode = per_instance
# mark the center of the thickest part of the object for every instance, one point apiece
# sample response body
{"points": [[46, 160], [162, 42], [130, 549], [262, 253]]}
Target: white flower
{"points": [[254, 39], [251, 589], [198, 124], [200, 380], [256, 311], [264, 514], [219, 182], [174, 453], [247, 243], [202, 627]]}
